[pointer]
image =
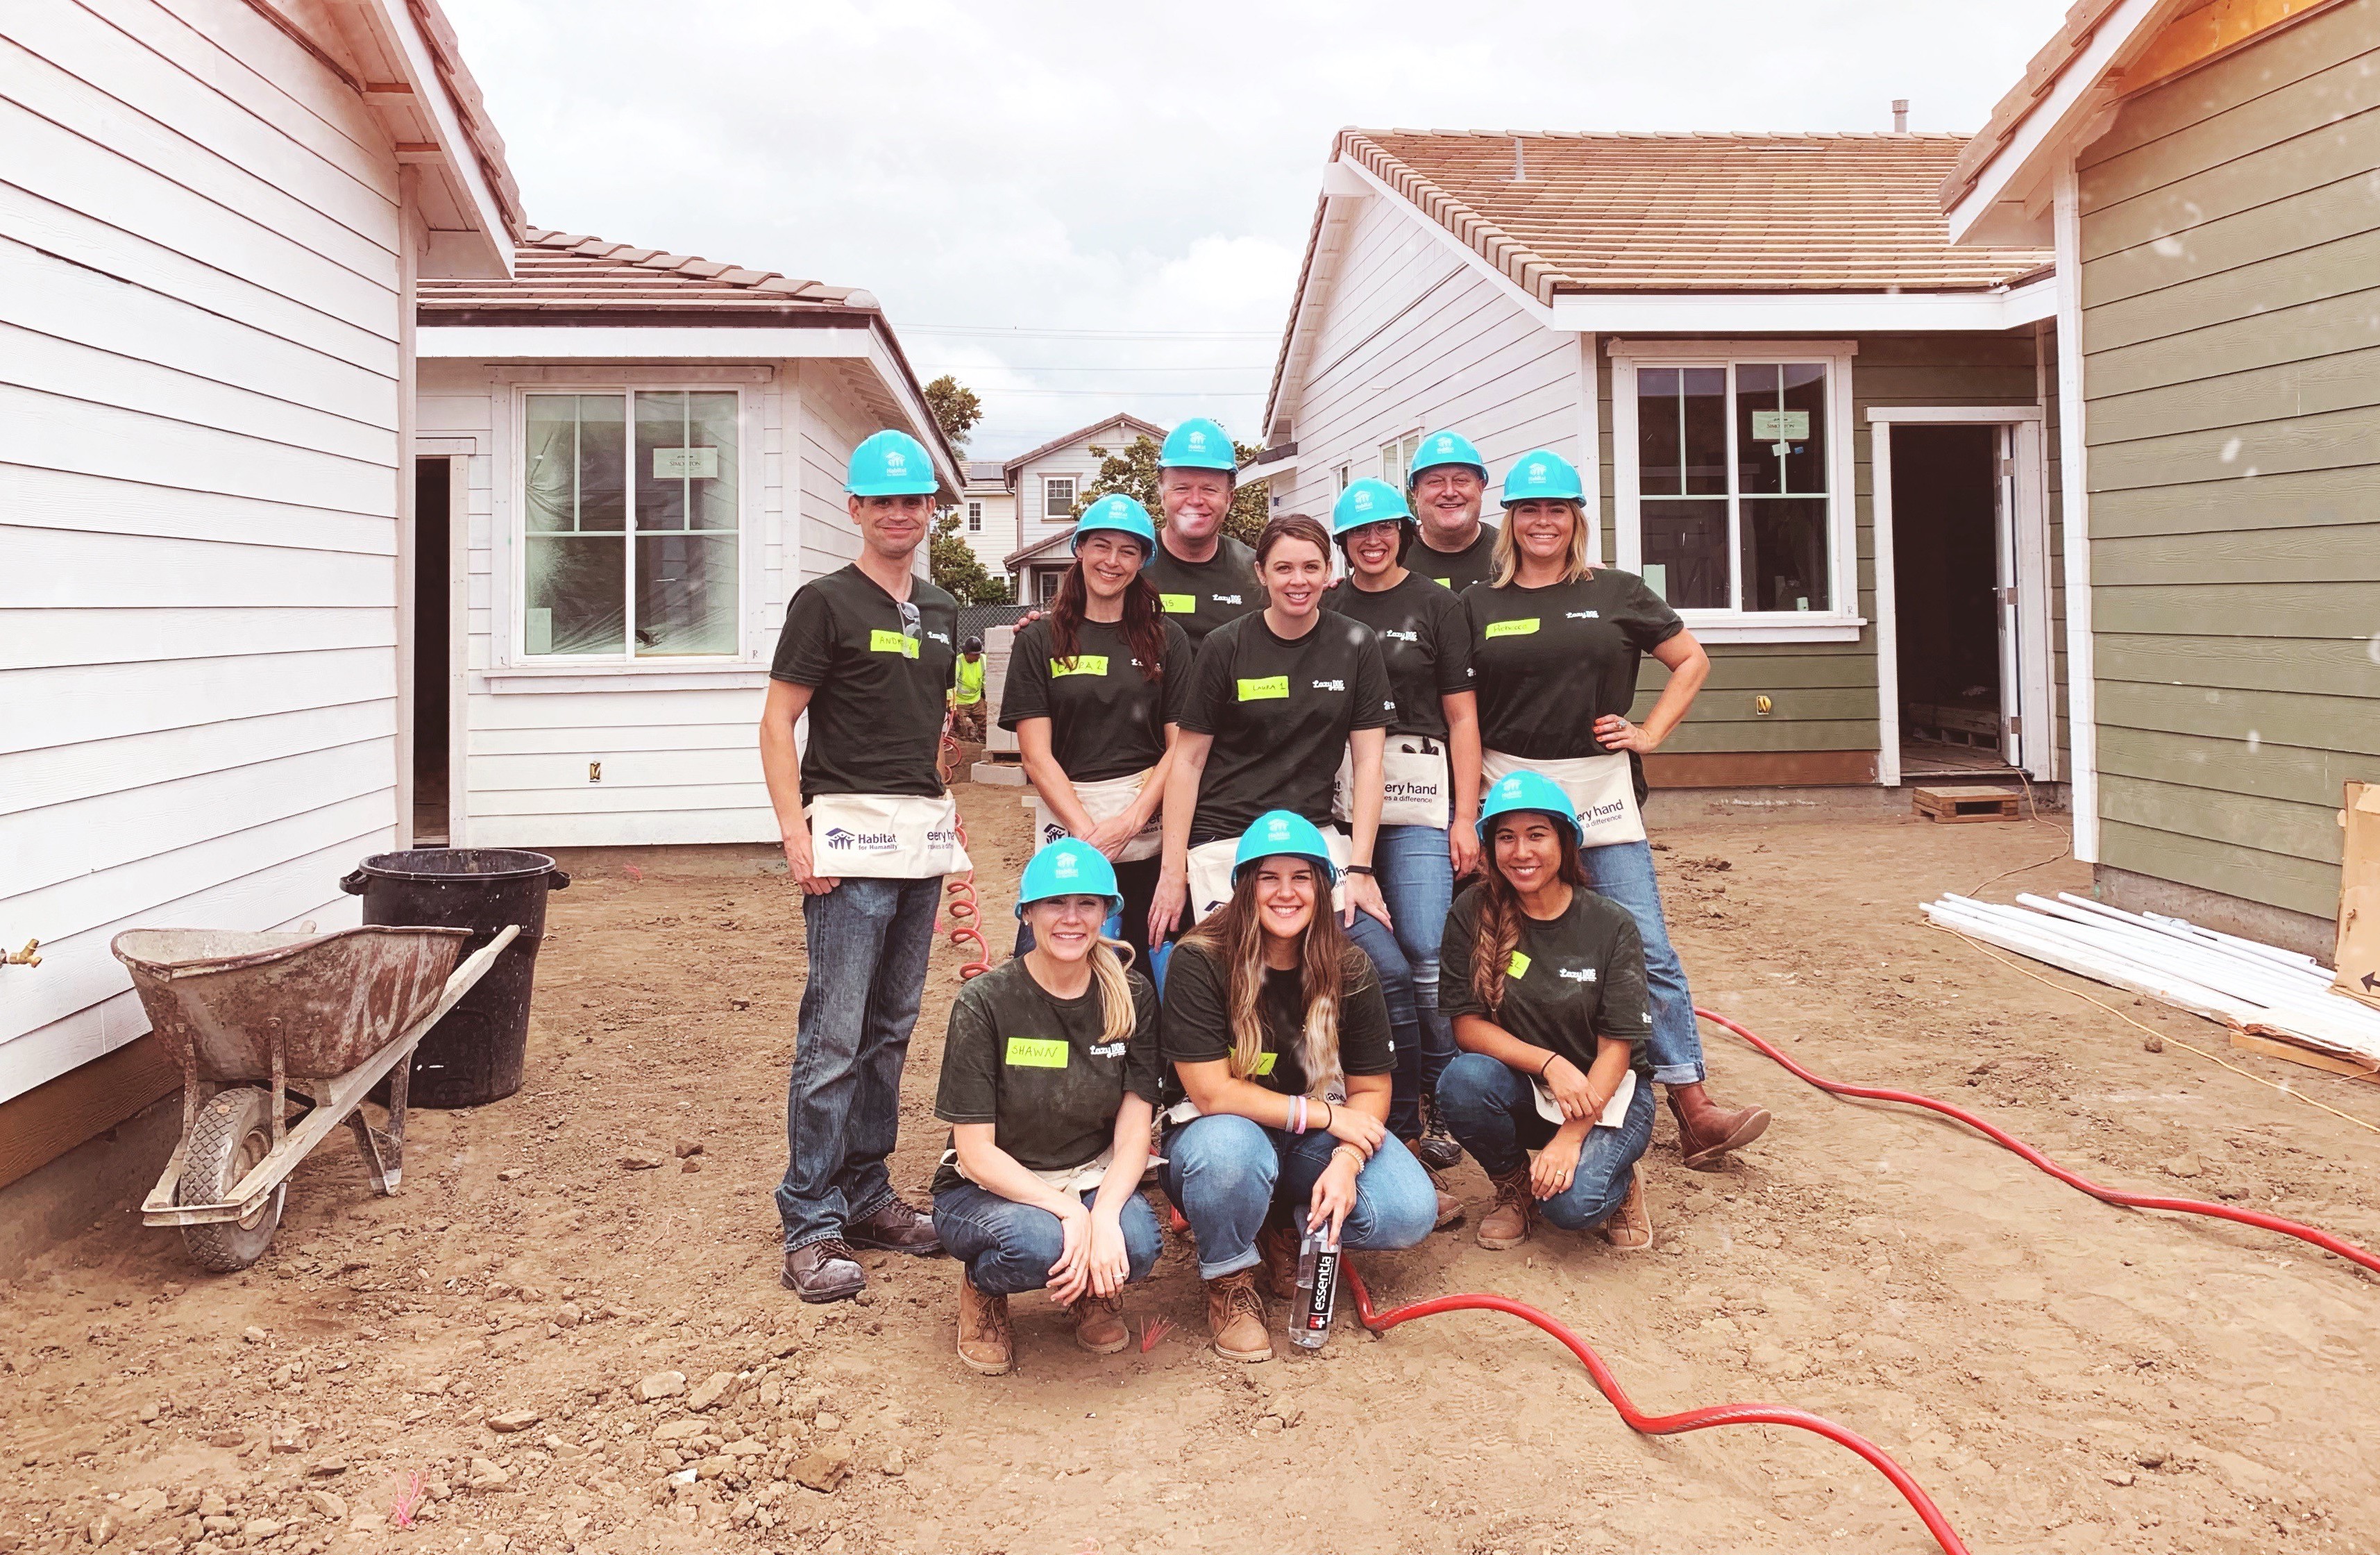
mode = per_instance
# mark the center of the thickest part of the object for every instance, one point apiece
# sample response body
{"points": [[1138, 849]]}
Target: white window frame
{"points": [[1342, 474], [747, 515], [1401, 448], [974, 518], [1843, 623], [1050, 511]]}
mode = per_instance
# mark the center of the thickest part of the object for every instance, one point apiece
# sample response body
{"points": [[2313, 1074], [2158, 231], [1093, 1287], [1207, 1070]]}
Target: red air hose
{"points": [[966, 914], [2322, 1239]]}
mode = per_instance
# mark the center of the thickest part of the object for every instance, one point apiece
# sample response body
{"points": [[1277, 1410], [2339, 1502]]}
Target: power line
{"points": [[1131, 393], [1021, 331], [973, 367]]}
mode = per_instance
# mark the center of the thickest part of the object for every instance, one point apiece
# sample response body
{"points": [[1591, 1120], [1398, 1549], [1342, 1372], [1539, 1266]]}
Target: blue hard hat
{"points": [[1444, 448], [1199, 443], [1367, 501], [891, 464], [1069, 867], [1116, 511], [1526, 790], [1542, 474], [1279, 832]]}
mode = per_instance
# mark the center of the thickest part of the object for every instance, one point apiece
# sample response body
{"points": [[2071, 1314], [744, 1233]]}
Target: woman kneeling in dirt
{"points": [[1050, 1078], [1545, 983], [1278, 1037]]}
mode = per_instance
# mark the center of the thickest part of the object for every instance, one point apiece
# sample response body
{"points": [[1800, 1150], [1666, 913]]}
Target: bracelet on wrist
{"points": [[1357, 869], [1549, 1064]]}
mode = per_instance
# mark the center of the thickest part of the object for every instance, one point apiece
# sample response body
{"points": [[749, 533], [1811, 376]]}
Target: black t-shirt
{"points": [[1570, 980], [1425, 640], [876, 714], [1039, 1069], [1457, 570], [1107, 719], [1549, 661], [1197, 1026], [1201, 596], [1281, 712]]}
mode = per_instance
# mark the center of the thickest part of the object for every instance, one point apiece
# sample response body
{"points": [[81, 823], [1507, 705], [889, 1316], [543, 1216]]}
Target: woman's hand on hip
{"points": [[1615, 733]]}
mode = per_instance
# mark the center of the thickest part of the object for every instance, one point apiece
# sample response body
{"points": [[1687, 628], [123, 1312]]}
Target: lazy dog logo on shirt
{"points": [[1577, 974], [1580, 616], [1394, 636], [861, 841], [1331, 686]]}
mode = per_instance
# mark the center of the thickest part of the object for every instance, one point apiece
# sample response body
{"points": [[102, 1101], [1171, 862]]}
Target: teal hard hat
{"points": [[1277, 832], [891, 464], [1069, 867], [1543, 474], [1197, 443], [1526, 790], [1367, 501], [1444, 448], [1116, 511]]}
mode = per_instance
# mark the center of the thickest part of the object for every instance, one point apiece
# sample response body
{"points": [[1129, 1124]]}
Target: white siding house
{"points": [[644, 456], [988, 515], [1049, 481], [212, 215]]}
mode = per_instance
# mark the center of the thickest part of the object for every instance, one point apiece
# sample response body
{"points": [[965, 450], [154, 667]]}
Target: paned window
{"points": [[1397, 457], [1057, 496], [974, 518], [631, 525]]}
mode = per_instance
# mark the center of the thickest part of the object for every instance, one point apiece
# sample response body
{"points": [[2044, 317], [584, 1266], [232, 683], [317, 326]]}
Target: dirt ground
{"points": [[2060, 1374]]}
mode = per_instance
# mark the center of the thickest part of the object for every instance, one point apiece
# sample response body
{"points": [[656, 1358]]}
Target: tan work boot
{"points": [[1629, 1227], [1099, 1324], [1277, 1247], [1707, 1131], [985, 1342], [1237, 1315], [1509, 1223], [1450, 1209]]}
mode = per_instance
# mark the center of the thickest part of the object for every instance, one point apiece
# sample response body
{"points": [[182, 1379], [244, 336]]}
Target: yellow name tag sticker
{"points": [[1179, 604], [1518, 966], [882, 642], [1526, 627], [1037, 1052], [1082, 663], [1264, 1064], [1443, 582], [1272, 688]]}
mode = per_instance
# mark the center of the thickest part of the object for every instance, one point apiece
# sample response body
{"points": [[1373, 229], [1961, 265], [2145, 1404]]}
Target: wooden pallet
{"points": [[1968, 802], [2306, 1056]]}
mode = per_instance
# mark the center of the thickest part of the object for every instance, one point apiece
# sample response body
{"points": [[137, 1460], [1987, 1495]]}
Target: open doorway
{"points": [[1954, 592], [433, 528]]}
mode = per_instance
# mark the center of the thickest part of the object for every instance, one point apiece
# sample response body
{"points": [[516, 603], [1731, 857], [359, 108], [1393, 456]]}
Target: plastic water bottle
{"points": [[1318, 1289]]}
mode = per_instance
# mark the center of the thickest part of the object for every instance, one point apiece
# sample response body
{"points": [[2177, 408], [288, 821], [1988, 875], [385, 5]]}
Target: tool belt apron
{"points": [[1104, 801], [1415, 789], [1614, 1113], [886, 836], [1210, 872], [1072, 1179], [1601, 788]]}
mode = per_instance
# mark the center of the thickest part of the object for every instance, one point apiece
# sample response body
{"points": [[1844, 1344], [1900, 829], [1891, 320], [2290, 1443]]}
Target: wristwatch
{"points": [[1357, 869]]}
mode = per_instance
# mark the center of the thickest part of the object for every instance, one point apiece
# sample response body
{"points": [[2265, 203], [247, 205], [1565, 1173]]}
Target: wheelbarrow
{"points": [[254, 1019]]}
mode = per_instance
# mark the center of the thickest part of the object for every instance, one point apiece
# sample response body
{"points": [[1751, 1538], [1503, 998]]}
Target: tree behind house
{"points": [[949, 558]]}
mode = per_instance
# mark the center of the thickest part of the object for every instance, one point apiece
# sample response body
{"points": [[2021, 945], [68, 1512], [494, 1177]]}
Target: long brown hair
{"points": [[1293, 526], [1497, 932], [1330, 968], [1142, 625]]}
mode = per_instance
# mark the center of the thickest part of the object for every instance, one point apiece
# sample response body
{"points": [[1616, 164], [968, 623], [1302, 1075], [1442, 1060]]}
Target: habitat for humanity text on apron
{"points": [[886, 836]]}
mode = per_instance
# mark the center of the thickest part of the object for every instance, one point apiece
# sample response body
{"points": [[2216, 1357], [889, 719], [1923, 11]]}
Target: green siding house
{"points": [[2209, 174]]}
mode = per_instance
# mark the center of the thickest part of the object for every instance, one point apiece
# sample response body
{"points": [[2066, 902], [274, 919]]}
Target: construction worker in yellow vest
{"points": [[966, 696]]}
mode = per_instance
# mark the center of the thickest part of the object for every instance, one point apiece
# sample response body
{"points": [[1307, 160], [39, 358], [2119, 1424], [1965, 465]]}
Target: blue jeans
{"points": [[1623, 872], [1372, 936], [1227, 1173], [1008, 1247], [1418, 881], [869, 942], [1491, 1109]]}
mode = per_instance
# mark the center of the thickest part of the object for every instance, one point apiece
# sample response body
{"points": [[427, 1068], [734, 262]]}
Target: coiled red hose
{"points": [[2007, 1141]]}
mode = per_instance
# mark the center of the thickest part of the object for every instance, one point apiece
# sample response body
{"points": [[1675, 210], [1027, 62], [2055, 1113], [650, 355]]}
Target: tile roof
{"points": [[1145, 429], [570, 273], [1615, 211], [2041, 73]]}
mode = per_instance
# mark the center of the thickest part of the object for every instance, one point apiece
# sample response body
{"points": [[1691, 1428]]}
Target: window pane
{"points": [[685, 461], [576, 600], [1687, 543], [1780, 429], [1785, 553], [1682, 431], [685, 594], [574, 456]]}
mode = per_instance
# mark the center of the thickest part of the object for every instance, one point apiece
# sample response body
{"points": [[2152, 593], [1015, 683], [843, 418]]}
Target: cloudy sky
{"points": [[1083, 208]]}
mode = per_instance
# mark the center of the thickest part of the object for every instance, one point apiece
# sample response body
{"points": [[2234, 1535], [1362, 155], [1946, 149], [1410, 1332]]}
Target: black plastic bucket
{"points": [[474, 1055]]}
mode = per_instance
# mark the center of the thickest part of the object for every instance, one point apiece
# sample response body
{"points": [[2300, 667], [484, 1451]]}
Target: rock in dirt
{"points": [[512, 1420], [568, 1315], [708, 1393], [2185, 1165], [326, 1468], [688, 1148], [253, 1334], [327, 1504], [2118, 1477], [211, 1504], [487, 1474], [640, 1161], [660, 1385], [691, 1163], [894, 1464], [678, 1431], [824, 1469], [2153, 1043], [512, 1174]]}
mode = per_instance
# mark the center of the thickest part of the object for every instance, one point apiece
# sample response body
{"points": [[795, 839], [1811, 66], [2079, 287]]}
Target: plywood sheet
{"points": [[2359, 896]]}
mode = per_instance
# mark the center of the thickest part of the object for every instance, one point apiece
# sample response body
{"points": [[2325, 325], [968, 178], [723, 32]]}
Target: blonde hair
{"points": [[1507, 560], [1119, 1016], [1233, 934]]}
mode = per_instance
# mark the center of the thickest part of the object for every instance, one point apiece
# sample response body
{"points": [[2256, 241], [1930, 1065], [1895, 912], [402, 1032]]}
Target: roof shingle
{"points": [[571, 273]]}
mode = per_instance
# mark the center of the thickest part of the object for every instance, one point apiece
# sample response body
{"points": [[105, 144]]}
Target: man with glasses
{"points": [[868, 830]]}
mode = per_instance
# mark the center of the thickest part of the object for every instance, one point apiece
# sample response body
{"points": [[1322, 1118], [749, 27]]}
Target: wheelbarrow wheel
{"points": [[234, 1133]]}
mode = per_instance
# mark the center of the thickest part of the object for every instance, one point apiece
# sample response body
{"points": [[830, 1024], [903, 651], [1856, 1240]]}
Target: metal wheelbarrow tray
{"points": [[322, 1015]]}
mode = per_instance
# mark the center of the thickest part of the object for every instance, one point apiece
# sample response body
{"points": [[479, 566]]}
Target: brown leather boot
{"points": [[1099, 1324], [985, 1342], [1277, 1246], [1237, 1315], [1629, 1227], [1450, 1209], [1708, 1131], [1509, 1223]]}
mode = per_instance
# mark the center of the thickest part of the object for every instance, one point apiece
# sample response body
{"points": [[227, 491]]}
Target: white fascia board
{"points": [[1799, 312], [1478, 262], [912, 404], [633, 342], [1265, 470], [1339, 210], [462, 158]]}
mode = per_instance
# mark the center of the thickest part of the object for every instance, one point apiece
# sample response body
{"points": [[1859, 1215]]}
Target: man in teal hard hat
{"points": [[868, 652], [1445, 485], [1203, 577]]}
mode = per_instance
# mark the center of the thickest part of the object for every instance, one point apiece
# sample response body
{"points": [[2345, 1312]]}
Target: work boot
{"points": [[1277, 1246], [1629, 1227], [985, 1342], [898, 1227], [1708, 1131], [1435, 1147], [1509, 1223], [823, 1271], [1450, 1209], [1237, 1315], [1099, 1324]]}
